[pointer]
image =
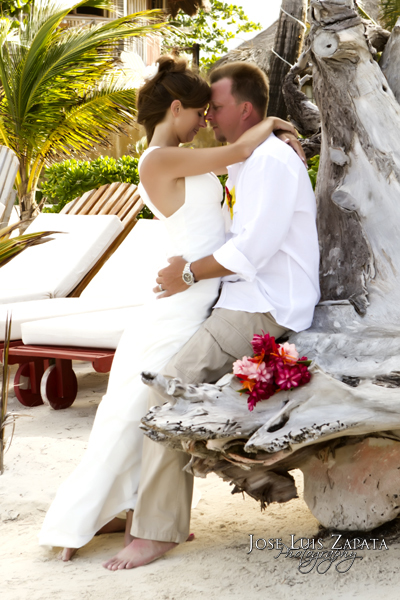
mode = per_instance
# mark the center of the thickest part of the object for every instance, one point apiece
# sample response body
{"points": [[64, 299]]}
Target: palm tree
{"points": [[61, 90], [390, 12]]}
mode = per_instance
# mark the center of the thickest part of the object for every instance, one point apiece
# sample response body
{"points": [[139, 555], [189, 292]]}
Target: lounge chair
{"points": [[52, 270], [9, 165], [118, 199], [90, 245], [89, 332]]}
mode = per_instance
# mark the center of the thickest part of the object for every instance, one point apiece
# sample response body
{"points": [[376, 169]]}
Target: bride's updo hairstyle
{"points": [[174, 81]]}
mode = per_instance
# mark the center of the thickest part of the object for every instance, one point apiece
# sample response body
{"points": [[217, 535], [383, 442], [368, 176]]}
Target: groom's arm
{"points": [[171, 280], [266, 217]]}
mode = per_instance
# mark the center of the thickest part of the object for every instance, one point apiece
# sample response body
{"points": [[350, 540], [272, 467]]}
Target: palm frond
{"points": [[104, 109], [389, 13], [4, 389], [58, 92], [6, 418], [9, 247]]}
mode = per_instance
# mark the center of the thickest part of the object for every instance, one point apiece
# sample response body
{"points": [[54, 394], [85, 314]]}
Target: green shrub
{"points": [[69, 179], [313, 166]]}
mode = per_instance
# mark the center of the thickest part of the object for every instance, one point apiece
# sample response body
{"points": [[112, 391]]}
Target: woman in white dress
{"points": [[178, 186]]}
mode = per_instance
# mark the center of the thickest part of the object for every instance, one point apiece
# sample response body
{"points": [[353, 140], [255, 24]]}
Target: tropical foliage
{"points": [[390, 12], [313, 166], [4, 415], [62, 91], [69, 179], [9, 247], [6, 418], [16, 9], [212, 29]]}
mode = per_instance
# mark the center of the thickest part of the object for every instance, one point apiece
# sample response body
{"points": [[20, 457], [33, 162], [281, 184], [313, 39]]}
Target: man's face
{"points": [[224, 113]]}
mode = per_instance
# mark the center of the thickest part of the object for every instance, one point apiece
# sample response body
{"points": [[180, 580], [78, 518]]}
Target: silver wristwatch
{"points": [[187, 275]]}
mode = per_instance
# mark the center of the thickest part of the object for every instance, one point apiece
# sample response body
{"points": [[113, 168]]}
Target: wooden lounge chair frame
{"points": [[120, 199], [45, 373]]}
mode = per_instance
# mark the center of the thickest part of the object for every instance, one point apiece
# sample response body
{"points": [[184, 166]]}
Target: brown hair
{"points": [[249, 84], [174, 81]]}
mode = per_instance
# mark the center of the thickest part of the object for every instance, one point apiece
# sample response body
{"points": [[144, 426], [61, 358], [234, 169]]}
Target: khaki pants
{"points": [[162, 511]]}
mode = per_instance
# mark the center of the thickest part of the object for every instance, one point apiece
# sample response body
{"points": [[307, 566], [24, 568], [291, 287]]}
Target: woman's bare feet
{"points": [[67, 554], [138, 553], [114, 526]]}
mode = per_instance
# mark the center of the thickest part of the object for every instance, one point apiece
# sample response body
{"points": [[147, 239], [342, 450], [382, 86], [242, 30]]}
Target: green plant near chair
{"points": [[70, 179], [9, 246], [6, 418]]}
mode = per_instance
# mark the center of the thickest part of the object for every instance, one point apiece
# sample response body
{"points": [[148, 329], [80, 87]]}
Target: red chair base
{"points": [[37, 381]]}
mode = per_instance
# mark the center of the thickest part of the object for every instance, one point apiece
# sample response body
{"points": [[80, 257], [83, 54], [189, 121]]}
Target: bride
{"points": [[178, 186]]}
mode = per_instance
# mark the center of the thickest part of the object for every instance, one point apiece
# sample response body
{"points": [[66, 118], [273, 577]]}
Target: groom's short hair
{"points": [[249, 84]]}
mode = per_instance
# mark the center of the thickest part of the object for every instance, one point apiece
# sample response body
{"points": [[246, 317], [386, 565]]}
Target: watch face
{"points": [[187, 278]]}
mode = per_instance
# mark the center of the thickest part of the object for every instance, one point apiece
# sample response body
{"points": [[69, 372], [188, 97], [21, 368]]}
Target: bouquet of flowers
{"points": [[274, 367]]}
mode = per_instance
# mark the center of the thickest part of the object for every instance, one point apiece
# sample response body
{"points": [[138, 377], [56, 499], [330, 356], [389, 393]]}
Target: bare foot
{"points": [[115, 525], [67, 554], [137, 554]]}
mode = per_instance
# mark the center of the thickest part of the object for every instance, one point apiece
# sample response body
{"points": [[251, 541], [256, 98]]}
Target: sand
{"points": [[217, 564]]}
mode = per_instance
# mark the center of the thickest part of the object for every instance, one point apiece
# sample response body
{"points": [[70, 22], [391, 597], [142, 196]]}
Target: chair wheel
{"points": [[49, 389], [22, 387]]}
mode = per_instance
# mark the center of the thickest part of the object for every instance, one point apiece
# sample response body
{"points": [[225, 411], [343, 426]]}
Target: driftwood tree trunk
{"points": [[347, 419], [288, 43]]}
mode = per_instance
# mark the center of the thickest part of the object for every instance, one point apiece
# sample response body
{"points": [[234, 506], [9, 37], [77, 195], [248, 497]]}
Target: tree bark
{"points": [[288, 42], [303, 114], [28, 210]]}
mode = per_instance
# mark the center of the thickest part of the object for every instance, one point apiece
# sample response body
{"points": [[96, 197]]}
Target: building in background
{"points": [[149, 47]]}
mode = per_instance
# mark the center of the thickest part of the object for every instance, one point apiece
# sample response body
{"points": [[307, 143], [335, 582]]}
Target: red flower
{"points": [[273, 367], [288, 375], [264, 344], [261, 391]]}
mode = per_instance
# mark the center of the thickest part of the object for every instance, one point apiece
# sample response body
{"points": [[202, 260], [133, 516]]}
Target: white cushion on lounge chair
{"points": [[127, 279], [131, 271], [36, 310], [101, 329], [53, 269]]}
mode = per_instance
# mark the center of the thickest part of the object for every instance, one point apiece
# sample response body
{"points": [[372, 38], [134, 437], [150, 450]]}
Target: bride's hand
{"points": [[257, 134], [292, 141]]}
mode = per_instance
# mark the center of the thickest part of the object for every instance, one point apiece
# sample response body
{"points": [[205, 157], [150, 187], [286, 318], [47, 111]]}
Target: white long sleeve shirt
{"points": [[272, 243]]}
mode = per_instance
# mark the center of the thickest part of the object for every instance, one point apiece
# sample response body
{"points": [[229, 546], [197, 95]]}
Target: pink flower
{"points": [[265, 373], [288, 352], [245, 367], [253, 369]]}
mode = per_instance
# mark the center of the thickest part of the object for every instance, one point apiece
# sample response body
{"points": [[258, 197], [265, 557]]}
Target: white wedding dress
{"points": [[106, 481]]}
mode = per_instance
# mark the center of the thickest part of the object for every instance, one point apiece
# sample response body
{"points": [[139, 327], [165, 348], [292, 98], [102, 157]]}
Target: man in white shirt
{"points": [[269, 268]]}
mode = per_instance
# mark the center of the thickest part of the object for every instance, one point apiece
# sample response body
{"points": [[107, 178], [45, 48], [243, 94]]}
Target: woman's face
{"points": [[189, 121]]}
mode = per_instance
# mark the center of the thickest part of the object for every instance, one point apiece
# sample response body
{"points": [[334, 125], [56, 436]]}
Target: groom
{"points": [[269, 265]]}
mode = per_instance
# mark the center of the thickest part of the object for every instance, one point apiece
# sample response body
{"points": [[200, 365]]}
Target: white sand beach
{"points": [[216, 564]]}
